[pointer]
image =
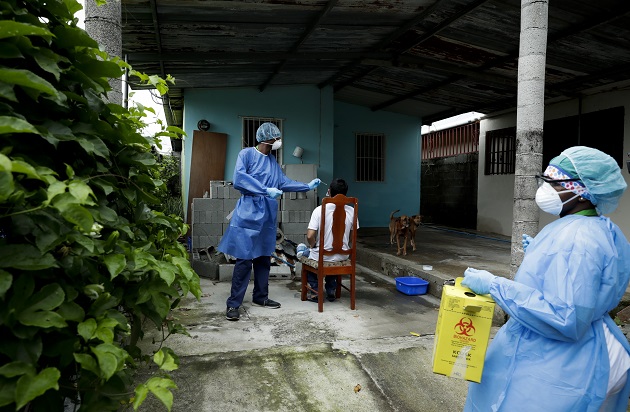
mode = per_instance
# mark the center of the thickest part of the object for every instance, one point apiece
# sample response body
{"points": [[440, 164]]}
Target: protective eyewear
{"points": [[540, 179]]}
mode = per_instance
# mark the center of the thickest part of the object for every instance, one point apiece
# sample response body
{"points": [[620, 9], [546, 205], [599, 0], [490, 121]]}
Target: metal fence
{"points": [[457, 140]]}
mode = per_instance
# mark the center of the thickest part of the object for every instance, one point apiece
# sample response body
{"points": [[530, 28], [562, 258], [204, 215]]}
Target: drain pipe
{"points": [[126, 86]]}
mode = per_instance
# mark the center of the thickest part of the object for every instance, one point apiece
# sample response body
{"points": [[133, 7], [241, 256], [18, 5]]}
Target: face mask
{"points": [[277, 144], [548, 199]]}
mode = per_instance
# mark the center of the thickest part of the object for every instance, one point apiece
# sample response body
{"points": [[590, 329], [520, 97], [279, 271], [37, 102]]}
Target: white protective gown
{"points": [[551, 355], [252, 230]]}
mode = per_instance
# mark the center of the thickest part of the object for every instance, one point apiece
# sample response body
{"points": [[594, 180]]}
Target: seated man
{"points": [[337, 186]]}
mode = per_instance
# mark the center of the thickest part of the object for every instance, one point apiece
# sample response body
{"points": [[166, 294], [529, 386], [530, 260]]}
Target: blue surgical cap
{"points": [[267, 131], [600, 174]]}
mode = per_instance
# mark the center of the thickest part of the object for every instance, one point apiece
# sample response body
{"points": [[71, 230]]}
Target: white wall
{"points": [[495, 193]]}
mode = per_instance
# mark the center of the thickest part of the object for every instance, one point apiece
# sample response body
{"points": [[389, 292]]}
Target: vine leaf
{"points": [[30, 387]]}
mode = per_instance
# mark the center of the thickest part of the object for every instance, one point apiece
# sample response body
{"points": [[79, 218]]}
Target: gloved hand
{"points": [[301, 249], [478, 280], [526, 241], [314, 183], [274, 193]]}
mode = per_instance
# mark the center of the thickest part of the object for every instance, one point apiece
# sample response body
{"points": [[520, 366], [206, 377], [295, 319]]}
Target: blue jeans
{"points": [[330, 283], [240, 280]]}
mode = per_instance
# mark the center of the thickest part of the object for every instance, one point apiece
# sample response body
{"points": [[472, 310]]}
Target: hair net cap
{"points": [[267, 131], [599, 173]]}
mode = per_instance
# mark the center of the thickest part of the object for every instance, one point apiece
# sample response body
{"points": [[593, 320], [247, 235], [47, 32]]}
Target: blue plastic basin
{"points": [[412, 285]]}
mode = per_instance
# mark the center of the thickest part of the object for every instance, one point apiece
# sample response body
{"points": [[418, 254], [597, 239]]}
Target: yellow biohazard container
{"points": [[462, 332]]}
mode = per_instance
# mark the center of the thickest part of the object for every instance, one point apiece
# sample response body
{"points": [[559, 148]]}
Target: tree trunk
{"points": [[102, 23], [529, 123]]}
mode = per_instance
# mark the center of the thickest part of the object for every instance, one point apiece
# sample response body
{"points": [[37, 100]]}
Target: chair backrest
{"points": [[338, 227]]}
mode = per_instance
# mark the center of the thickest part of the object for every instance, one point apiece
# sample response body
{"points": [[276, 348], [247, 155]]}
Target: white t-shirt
{"points": [[619, 363], [315, 223]]}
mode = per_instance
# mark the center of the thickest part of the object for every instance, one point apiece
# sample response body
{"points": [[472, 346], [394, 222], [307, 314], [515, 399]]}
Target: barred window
{"points": [[500, 151], [370, 157], [251, 125]]}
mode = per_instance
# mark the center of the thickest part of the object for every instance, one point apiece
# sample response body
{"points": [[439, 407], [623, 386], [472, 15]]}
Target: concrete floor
{"points": [[374, 358]]}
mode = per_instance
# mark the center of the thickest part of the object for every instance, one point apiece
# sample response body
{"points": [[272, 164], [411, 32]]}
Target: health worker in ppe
{"points": [[560, 350], [251, 235]]}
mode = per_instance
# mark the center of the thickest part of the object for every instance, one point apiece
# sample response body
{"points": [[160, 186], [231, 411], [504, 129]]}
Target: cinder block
{"points": [[225, 272], [299, 204], [292, 228], [203, 204], [279, 272], [296, 237], [213, 216], [284, 216], [229, 204], [213, 193], [206, 269], [301, 172], [233, 193]]}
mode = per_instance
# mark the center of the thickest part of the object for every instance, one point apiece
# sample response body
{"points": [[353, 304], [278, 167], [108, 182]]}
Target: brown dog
{"points": [[399, 229], [392, 226], [413, 226]]}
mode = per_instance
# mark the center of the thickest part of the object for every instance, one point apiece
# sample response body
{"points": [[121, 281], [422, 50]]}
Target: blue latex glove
{"points": [[478, 280], [314, 183], [302, 250], [274, 193], [526, 241]]}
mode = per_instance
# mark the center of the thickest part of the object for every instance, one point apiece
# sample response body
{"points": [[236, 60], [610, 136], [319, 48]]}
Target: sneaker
{"points": [[267, 303], [312, 298], [232, 314], [331, 297]]}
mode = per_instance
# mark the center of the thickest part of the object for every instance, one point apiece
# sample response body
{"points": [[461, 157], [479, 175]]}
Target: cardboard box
{"points": [[462, 332]]}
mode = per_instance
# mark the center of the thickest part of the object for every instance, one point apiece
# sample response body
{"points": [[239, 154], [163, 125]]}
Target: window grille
{"points": [[370, 157], [251, 125], [457, 140], [500, 151]]}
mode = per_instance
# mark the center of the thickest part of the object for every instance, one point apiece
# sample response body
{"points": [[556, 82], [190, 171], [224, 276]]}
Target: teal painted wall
{"points": [[401, 188], [325, 130], [307, 114]]}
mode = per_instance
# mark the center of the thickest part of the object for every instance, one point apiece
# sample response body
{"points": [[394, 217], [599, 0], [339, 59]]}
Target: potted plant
{"points": [[176, 143], [175, 134]]}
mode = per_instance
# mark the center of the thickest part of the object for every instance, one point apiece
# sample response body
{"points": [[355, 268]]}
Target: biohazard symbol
{"points": [[465, 327]]}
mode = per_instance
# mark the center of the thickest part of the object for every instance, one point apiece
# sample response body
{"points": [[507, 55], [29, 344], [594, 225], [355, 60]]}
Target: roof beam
{"points": [[302, 39], [396, 34], [193, 57], [604, 18], [441, 26]]}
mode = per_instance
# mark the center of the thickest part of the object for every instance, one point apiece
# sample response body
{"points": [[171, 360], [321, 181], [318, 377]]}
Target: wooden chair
{"points": [[339, 269]]}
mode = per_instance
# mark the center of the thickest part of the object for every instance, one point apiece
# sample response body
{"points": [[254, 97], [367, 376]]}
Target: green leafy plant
{"points": [[85, 257], [170, 196]]}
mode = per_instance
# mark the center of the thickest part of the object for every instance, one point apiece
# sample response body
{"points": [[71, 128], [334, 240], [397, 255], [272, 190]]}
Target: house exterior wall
{"points": [[307, 114], [401, 188], [326, 131], [495, 193]]}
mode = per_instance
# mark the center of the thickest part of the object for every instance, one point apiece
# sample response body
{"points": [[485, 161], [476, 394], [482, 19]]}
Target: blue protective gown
{"points": [[551, 355], [252, 230]]}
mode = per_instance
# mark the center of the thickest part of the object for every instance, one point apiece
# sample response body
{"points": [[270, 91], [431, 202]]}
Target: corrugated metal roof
{"points": [[426, 58]]}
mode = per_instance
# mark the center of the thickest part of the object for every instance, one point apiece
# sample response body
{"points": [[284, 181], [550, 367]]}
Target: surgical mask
{"points": [[548, 199], [277, 144]]}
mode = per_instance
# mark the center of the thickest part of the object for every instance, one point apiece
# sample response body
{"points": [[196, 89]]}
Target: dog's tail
{"points": [[391, 215]]}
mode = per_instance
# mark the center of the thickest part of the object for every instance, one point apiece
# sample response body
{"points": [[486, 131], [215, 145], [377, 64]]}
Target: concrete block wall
{"points": [[294, 209], [209, 220]]}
